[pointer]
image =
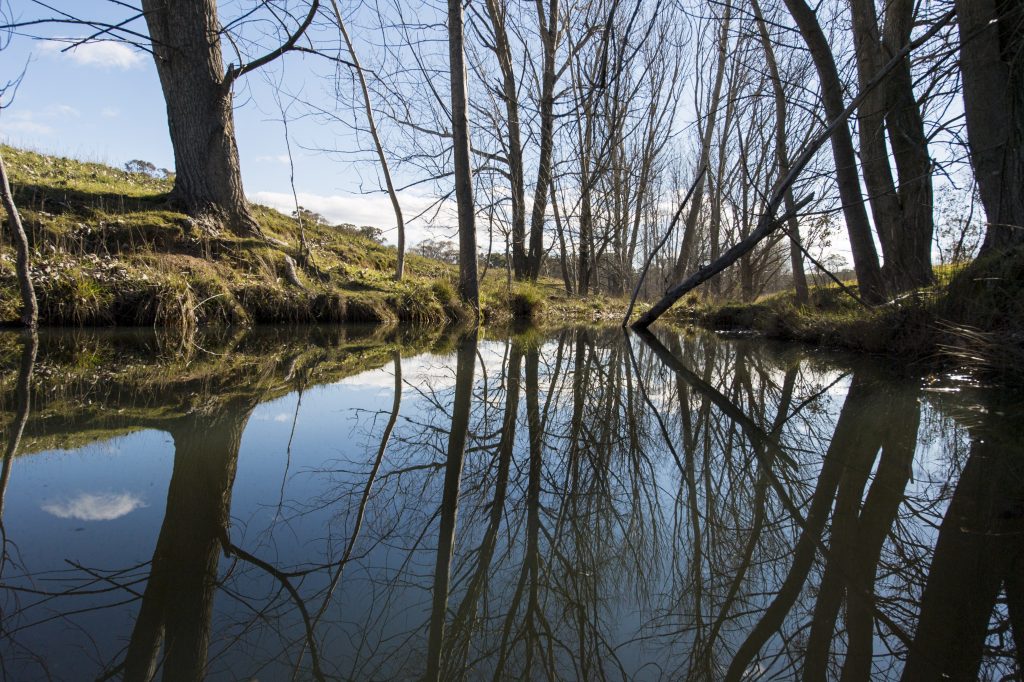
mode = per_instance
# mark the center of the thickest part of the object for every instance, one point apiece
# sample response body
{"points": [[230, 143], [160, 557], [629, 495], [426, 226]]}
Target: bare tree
{"points": [[198, 91], [862, 245], [30, 308], [782, 153], [550, 35]]}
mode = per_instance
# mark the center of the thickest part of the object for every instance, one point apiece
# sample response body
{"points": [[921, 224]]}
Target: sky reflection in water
{"points": [[679, 507]]}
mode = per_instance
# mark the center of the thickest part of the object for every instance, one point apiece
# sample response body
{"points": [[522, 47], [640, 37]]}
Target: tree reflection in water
{"points": [[580, 505]]}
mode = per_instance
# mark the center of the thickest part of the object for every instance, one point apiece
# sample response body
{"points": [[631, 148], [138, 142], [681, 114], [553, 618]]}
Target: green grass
{"points": [[108, 250]]}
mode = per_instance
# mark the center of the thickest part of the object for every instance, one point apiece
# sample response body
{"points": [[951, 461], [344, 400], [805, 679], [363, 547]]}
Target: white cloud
{"points": [[95, 506], [25, 126], [371, 209], [37, 122], [105, 54], [110, 112], [61, 111], [280, 158]]}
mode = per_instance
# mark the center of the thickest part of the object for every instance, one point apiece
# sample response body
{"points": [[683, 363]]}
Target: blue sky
{"points": [[103, 102]]}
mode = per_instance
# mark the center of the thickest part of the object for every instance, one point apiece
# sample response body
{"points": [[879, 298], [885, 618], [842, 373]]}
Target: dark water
{"points": [[350, 504]]}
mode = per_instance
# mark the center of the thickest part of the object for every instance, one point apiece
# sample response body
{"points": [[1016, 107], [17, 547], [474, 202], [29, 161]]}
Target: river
{"points": [[350, 503]]}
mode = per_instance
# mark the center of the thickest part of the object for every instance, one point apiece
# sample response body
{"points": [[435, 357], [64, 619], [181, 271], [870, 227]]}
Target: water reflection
{"points": [[581, 504]]}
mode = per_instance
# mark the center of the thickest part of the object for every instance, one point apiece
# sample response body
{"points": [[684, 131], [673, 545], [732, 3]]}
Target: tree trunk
{"points": [[586, 238], [549, 36], [187, 51], [865, 258], [563, 256], [992, 64], [782, 154], [903, 217], [690, 226], [909, 143], [468, 285], [30, 308], [503, 52]]}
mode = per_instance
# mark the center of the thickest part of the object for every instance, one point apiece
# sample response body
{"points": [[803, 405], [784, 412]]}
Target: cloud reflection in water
{"points": [[95, 506]]}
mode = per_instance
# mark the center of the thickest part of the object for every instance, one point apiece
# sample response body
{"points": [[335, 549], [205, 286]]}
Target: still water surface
{"points": [[358, 504]]}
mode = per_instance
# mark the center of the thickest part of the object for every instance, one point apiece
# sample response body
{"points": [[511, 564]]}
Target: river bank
{"points": [[973, 318], [109, 250]]}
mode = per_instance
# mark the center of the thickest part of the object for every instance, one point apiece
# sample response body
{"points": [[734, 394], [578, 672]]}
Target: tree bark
{"points": [[992, 64], [30, 308], [865, 257], [468, 286], [187, 51]]}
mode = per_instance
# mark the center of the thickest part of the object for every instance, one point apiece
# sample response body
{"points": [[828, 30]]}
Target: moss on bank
{"points": [[973, 316], [109, 250]]}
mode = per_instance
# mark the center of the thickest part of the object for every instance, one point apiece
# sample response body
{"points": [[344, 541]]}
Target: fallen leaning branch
{"points": [[767, 223], [650, 257], [764, 228]]}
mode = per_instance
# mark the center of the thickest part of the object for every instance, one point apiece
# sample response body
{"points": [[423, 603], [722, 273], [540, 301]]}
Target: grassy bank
{"points": [[972, 317], [108, 250]]}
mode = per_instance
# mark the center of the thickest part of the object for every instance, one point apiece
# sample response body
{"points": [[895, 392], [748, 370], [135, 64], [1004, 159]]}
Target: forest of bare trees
{"points": [[565, 132]]}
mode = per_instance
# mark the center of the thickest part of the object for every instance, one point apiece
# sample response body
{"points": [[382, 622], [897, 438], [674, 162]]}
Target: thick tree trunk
{"points": [[187, 51], [30, 308], [912, 263], [865, 257], [874, 153], [992, 64], [890, 115], [468, 286]]}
